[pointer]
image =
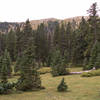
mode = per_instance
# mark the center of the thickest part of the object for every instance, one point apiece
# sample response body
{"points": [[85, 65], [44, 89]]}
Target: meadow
{"points": [[79, 88]]}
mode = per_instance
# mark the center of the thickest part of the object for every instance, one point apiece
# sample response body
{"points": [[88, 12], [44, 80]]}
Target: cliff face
{"points": [[7, 26]]}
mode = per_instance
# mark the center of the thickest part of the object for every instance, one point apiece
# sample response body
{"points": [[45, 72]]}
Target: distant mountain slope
{"points": [[7, 26], [35, 23]]}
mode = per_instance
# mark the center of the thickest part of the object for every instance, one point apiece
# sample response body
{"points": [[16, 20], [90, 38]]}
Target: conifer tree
{"points": [[41, 44], [2, 43], [93, 21], [24, 40], [19, 43], [11, 44], [4, 71], [29, 79], [5, 67], [95, 55], [80, 42], [7, 56], [62, 87], [62, 40], [17, 64], [56, 38], [0, 64], [69, 42], [97, 63], [58, 64]]}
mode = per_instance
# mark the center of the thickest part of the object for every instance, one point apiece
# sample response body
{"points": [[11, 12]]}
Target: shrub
{"points": [[88, 67], [5, 88], [86, 74], [90, 74], [62, 87]]}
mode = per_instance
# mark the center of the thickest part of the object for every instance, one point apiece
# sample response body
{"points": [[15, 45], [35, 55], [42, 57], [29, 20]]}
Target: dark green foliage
{"points": [[97, 63], [80, 43], [6, 88], [19, 42], [17, 65], [8, 59], [88, 67], [11, 44], [29, 79], [2, 43], [29, 82], [94, 59], [58, 64], [62, 87], [5, 71], [42, 45], [5, 67], [69, 42], [0, 64]]}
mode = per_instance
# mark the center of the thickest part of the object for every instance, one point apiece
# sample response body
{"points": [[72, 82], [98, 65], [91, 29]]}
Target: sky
{"points": [[21, 10]]}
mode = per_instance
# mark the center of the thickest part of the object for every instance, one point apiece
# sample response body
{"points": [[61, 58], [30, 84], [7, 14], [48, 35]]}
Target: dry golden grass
{"points": [[79, 89]]}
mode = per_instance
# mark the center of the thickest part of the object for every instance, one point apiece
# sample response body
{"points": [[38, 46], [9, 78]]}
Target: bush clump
{"points": [[91, 74], [62, 87], [6, 88], [88, 67]]}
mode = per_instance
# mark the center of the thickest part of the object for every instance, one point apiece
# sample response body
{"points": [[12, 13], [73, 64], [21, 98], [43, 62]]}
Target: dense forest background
{"points": [[77, 41]]}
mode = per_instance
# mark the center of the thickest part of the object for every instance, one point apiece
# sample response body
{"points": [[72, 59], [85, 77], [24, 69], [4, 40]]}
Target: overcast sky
{"points": [[20, 10]]}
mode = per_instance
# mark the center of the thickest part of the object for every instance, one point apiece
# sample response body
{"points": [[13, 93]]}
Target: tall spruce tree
{"points": [[93, 21], [69, 42], [97, 63], [62, 40], [56, 38], [2, 43], [11, 44], [29, 79], [80, 42], [41, 44], [8, 61], [0, 64], [5, 67], [19, 37], [94, 59]]}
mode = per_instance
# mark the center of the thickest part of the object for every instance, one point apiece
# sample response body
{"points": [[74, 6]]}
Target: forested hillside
{"points": [[77, 40], [54, 46], [5, 27]]}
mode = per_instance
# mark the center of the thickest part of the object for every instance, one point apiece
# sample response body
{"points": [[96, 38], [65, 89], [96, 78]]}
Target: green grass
{"points": [[45, 70], [79, 89], [75, 69], [91, 73]]}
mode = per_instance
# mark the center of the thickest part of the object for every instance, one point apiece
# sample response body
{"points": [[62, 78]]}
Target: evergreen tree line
{"points": [[78, 44], [56, 45]]}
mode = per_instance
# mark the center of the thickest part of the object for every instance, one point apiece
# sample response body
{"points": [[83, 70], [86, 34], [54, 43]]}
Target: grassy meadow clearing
{"points": [[79, 88]]}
